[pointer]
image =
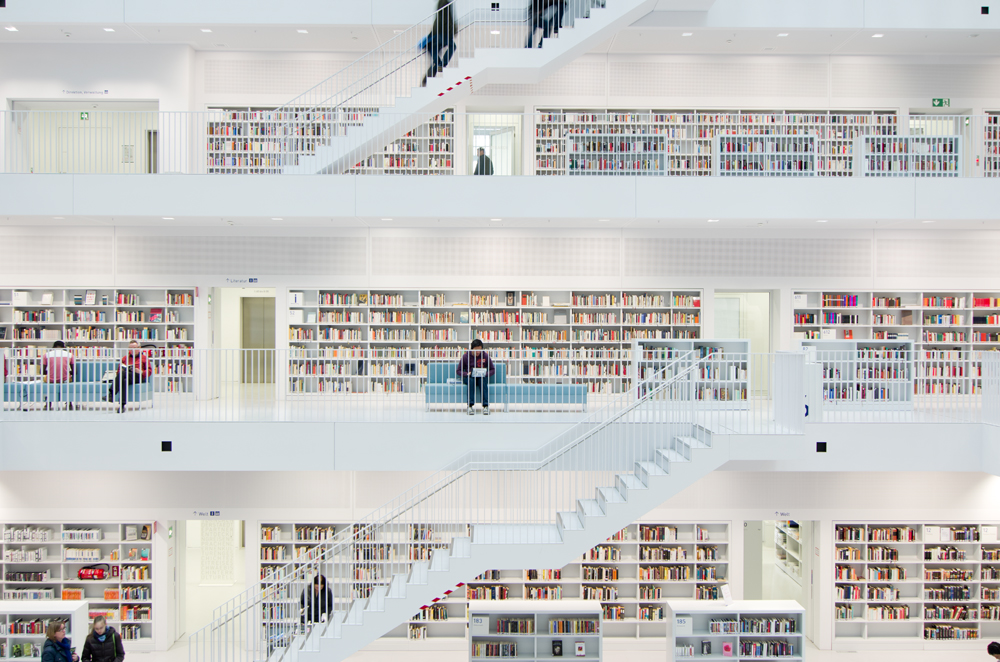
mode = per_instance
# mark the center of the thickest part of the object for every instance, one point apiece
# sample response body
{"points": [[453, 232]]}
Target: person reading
{"points": [[475, 368]]}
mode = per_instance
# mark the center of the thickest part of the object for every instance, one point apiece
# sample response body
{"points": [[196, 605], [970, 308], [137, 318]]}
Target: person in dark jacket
{"points": [[57, 647], [103, 644], [317, 603], [993, 649], [441, 38], [537, 20], [483, 164], [475, 368]]}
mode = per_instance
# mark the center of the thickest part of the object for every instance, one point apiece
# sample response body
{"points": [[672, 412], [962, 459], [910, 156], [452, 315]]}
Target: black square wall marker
{"points": [[820, 446], [166, 446], [982, 10]]}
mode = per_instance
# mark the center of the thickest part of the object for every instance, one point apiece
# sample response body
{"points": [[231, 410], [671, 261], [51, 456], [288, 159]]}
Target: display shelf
{"points": [[742, 630], [620, 573], [720, 381], [904, 583], [534, 630], [428, 149], [545, 336], [912, 156], [864, 374], [684, 142], [99, 324], [788, 549], [771, 156], [41, 561], [22, 627], [949, 329]]}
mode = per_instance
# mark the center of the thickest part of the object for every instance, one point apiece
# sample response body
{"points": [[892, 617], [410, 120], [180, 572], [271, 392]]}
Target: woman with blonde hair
{"points": [[103, 643], [58, 647]]}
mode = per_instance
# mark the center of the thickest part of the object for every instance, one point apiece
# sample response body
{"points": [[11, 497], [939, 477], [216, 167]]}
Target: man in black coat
{"points": [[483, 164]]}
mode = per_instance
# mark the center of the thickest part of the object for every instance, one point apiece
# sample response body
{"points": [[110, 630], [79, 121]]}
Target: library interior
{"points": [[369, 330]]}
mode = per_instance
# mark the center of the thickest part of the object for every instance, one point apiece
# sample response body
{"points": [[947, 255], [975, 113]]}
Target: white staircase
{"points": [[395, 103], [682, 461]]}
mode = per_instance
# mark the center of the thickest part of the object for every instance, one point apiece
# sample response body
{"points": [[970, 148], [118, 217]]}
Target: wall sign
{"points": [[941, 103]]}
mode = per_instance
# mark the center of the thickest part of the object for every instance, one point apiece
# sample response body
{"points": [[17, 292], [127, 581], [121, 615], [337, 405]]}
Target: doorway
{"points": [[499, 136], [747, 315], [780, 563], [213, 561], [257, 327]]}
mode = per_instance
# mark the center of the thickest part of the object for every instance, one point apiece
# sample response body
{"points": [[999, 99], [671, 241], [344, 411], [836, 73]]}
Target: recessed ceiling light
{"points": [[821, 221], [10, 28], [687, 34], [926, 221], [496, 219], [397, 32], [494, 32], [277, 219], [303, 31], [782, 34], [769, 48], [206, 29], [604, 220], [58, 218], [168, 218], [877, 36], [386, 219], [713, 220], [109, 29]]}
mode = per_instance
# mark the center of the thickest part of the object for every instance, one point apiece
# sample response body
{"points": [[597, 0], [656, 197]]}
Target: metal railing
{"points": [[738, 393], [249, 142], [504, 497]]}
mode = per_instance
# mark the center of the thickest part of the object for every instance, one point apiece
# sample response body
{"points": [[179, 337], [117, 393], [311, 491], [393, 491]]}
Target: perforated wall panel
{"points": [[742, 257], [937, 255], [178, 256], [57, 253], [886, 80], [579, 78], [729, 78], [495, 256], [289, 77]]}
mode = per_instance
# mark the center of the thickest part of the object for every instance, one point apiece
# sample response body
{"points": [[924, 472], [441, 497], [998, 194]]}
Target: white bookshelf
{"points": [[912, 156], [22, 627], [788, 549], [991, 144], [948, 329], [742, 630], [553, 335], [630, 577], [765, 156], [41, 562], [868, 374], [682, 142], [912, 585], [428, 149], [722, 380], [99, 323], [529, 630]]}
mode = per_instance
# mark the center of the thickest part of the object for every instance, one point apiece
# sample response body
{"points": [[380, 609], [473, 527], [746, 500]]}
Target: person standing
{"points": [[103, 644], [57, 368], [57, 646], [441, 38], [475, 368], [483, 164], [134, 369], [317, 603]]}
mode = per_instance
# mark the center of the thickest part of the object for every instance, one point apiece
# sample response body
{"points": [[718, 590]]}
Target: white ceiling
{"points": [[801, 225], [645, 40]]}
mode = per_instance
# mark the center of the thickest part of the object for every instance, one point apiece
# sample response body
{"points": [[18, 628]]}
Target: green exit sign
{"points": [[941, 103], [84, 115]]}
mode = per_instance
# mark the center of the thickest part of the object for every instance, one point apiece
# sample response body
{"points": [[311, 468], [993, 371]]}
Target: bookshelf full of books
{"points": [[100, 323], [535, 630], [43, 562], [915, 583], [686, 142], [631, 575], [991, 144], [740, 630], [868, 374], [721, 378], [22, 631], [356, 341], [248, 140], [913, 156], [949, 329], [428, 149]]}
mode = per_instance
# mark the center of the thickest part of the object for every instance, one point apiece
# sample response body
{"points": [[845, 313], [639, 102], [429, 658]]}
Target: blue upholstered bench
{"points": [[546, 394], [86, 386], [438, 390]]}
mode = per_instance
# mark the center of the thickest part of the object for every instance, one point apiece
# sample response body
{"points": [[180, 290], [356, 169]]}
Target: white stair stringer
{"points": [[653, 481], [489, 65]]}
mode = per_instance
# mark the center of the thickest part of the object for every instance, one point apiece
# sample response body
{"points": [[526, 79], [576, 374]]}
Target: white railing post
{"points": [[788, 390], [991, 387]]}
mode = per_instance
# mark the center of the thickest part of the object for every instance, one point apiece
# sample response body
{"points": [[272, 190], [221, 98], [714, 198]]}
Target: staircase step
{"points": [[646, 469], [355, 615], [671, 455], [440, 560], [570, 521], [418, 572], [610, 495], [397, 586], [461, 548], [376, 601], [693, 442], [589, 508]]}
